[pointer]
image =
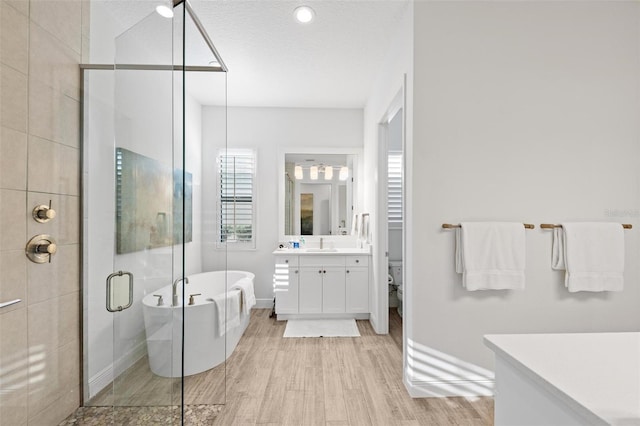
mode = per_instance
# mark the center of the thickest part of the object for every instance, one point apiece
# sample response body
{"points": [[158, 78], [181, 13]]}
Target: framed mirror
{"points": [[318, 191]]}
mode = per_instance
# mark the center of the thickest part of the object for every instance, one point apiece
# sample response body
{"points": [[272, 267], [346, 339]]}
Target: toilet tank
{"points": [[396, 271]]}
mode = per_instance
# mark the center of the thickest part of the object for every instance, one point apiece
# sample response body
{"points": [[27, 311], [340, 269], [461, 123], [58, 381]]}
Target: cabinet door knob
{"points": [[296, 271], [324, 272], [286, 261], [347, 271], [357, 260], [320, 271]]}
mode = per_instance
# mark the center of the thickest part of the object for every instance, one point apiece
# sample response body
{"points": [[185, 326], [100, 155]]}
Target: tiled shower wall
{"points": [[42, 43]]}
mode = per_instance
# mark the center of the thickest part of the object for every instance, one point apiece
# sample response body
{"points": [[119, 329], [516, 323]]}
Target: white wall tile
{"points": [[13, 99], [65, 226], [13, 350], [13, 278], [14, 38], [53, 167], [13, 159], [46, 281], [53, 63], [13, 407], [63, 19], [12, 219]]}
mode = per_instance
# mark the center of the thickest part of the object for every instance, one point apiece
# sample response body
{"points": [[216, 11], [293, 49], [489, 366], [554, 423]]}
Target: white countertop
{"points": [[317, 251], [596, 374]]}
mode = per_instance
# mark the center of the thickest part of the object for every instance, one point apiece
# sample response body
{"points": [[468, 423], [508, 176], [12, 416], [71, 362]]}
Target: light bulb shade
{"points": [[313, 172], [328, 173], [297, 171], [344, 173], [164, 11], [304, 14]]}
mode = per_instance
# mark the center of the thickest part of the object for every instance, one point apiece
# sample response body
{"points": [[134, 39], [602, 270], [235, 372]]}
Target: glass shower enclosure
{"points": [[142, 219]]}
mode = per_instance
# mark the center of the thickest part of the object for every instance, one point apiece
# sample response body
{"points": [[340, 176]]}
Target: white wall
{"points": [[525, 111], [266, 130]]}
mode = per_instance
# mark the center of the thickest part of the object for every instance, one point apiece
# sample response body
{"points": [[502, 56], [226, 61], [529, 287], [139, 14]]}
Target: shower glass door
{"points": [[148, 149], [143, 218]]}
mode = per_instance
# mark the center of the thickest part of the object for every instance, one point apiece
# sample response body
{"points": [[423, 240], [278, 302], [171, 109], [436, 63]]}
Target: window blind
{"points": [[394, 188], [237, 169]]}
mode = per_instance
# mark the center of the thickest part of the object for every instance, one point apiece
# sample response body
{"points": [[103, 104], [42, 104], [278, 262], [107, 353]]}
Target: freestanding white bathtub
{"points": [[204, 348]]}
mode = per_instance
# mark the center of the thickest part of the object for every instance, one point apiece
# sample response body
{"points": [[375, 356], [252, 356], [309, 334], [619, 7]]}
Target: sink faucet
{"points": [[321, 243], [174, 293]]}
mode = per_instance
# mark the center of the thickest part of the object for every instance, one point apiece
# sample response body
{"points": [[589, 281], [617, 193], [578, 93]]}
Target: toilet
{"points": [[395, 267]]}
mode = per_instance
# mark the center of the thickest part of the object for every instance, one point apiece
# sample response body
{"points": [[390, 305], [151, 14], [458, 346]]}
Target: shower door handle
{"points": [[119, 291]]}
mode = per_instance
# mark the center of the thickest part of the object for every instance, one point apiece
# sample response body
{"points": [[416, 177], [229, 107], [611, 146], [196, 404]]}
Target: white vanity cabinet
{"points": [[322, 285], [286, 284], [357, 284]]}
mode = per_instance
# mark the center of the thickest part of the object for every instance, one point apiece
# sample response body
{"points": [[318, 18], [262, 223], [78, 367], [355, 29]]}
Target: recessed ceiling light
{"points": [[304, 14], [164, 11]]}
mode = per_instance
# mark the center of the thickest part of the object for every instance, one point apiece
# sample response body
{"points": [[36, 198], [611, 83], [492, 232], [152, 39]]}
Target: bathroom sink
{"points": [[322, 250]]}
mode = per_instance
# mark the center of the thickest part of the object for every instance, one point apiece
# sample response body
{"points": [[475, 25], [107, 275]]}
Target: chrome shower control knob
{"points": [[44, 213], [47, 248], [41, 248]]}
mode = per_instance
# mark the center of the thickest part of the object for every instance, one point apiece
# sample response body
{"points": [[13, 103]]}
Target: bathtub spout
{"points": [[174, 288]]}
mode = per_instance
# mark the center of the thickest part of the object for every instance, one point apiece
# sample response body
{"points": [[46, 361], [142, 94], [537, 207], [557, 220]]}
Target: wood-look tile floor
{"points": [[270, 380], [331, 381]]}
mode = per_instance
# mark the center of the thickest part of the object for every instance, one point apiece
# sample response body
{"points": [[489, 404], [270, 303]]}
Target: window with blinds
{"points": [[394, 189], [236, 209]]}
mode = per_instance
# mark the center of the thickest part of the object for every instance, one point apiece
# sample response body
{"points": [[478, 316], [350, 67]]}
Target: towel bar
{"points": [[551, 226], [450, 226]]}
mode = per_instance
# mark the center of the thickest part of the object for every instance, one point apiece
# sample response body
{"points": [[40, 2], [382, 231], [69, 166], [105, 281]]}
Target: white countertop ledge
{"points": [[323, 252], [596, 374]]}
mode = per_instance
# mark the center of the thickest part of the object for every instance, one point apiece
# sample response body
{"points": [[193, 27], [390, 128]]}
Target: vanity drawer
{"points": [[322, 260], [357, 260], [287, 260]]}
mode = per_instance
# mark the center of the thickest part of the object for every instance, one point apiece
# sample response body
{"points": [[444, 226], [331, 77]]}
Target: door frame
{"points": [[382, 227]]}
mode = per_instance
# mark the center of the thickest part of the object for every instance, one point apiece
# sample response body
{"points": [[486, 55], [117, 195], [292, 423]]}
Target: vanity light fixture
{"points": [[304, 14], [328, 173], [297, 171], [164, 11], [313, 172], [344, 173]]}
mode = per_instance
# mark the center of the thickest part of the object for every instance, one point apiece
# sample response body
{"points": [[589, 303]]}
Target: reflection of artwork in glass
{"points": [[149, 203], [306, 214], [178, 194]]}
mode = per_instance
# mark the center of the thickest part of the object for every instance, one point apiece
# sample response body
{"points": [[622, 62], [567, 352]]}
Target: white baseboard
{"points": [[446, 388], [105, 377], [100, 380], [285, 317], [264, 303]]}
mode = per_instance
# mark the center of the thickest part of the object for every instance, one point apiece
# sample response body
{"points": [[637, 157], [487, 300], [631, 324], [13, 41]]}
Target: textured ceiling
{"points": [[274, 61]]}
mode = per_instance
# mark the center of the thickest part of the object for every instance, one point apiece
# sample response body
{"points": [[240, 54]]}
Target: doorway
{"points": [[391, 229]]}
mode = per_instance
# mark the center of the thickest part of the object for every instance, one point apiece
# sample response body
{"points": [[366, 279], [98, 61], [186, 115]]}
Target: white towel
{"points": [[245, 285], [592, 253], [228, 307], [557, 250], [491, 255]]}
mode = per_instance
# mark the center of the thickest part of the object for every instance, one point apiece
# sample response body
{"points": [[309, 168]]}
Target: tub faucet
{"points": [[174, 290]]}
